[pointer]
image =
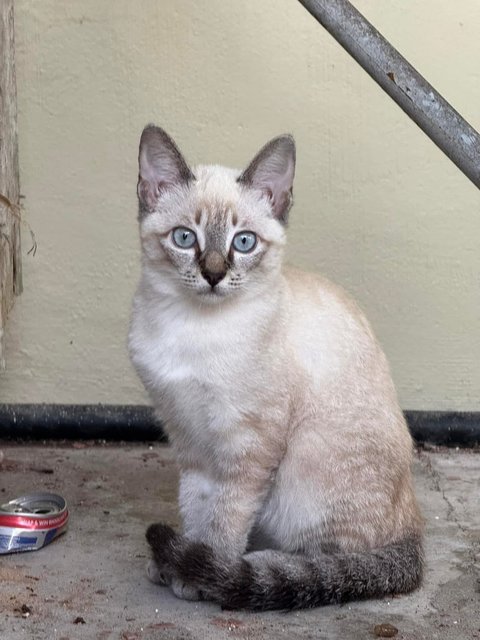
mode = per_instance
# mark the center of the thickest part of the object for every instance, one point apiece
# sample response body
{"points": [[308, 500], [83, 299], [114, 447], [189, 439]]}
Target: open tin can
{"points": [[31, 522]]}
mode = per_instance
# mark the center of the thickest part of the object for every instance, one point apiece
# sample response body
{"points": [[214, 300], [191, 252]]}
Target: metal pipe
{"points": [[425, 106]]}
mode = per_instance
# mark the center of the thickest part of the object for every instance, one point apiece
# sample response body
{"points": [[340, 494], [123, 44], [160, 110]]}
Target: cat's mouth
{"points": [[216, 293], [213, 294]]}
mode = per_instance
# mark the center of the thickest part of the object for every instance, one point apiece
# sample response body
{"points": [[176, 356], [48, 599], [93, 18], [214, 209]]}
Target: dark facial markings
{"points": [[213, 267], [214, 261]]}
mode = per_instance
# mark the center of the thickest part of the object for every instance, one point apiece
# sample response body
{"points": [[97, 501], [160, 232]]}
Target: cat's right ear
{"points": [[160, 166]]}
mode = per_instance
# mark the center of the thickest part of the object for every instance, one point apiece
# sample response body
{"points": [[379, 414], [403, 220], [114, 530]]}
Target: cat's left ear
{"points": [[272, 171]]}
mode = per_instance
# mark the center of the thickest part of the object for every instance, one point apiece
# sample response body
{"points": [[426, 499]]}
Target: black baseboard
{"points": [[136, 423], [445, 428], [131, 423]]}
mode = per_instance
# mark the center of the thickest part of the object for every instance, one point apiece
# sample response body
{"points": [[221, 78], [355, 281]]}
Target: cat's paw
{"points": [[155, 575], [185, 591]]}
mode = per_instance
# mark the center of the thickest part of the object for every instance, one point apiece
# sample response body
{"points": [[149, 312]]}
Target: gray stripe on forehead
{"points": [[220, 218]]}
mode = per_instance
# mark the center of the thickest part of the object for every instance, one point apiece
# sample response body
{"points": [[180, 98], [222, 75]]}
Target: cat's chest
{"points": [[195, 372], [181, 355]]}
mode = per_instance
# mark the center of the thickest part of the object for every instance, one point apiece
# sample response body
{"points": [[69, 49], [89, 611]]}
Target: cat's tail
{"points": [[265, 580]]}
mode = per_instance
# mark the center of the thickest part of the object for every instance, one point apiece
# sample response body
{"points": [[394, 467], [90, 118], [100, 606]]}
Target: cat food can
{"points": [[30, 522]]}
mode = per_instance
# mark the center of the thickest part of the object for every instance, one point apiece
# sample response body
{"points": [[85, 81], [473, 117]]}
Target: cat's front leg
{"points": [[196, 500], [221, 511], [196, 495], [217, 512]]}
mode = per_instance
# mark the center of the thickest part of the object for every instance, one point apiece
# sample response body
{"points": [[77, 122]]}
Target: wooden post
{"points": [[10, 257]]}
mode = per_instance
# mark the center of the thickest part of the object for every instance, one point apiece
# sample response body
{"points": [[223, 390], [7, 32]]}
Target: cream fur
{"points": [[276, 396]]}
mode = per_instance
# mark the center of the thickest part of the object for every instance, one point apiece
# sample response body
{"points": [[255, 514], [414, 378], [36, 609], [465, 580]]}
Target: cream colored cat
{"points": [[295, 488]]}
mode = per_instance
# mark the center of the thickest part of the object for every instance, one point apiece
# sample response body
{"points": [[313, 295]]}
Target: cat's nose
{"points": [[213, 267], [213, 278]]}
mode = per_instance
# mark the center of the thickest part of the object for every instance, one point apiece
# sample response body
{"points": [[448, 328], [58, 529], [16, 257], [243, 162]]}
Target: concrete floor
{"points": [[96, 570]]}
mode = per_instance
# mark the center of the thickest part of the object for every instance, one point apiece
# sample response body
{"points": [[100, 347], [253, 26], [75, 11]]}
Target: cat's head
{"points": [[211, 233]]}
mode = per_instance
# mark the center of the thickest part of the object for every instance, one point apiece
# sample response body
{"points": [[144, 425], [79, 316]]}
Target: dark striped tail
{"points": [[266, 580]]}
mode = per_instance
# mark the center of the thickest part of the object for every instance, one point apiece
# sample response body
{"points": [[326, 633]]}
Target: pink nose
{"points": [[213, 267]]}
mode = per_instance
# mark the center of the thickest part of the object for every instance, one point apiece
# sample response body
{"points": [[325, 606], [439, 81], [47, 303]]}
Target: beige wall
{"points": [[378, 207]]}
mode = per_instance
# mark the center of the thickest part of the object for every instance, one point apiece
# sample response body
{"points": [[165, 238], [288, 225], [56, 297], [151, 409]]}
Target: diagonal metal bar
{"points": [[425, 106]]}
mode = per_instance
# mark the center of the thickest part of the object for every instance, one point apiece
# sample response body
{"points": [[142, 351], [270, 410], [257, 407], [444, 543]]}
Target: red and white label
{"points": [[33, 524]]}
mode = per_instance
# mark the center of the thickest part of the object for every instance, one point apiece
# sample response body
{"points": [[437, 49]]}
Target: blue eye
{"points": [[183, 237], [244, 241]]}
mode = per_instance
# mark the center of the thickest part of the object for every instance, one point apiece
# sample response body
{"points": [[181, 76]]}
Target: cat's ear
{"points": [[272, 171], [160, 166]]}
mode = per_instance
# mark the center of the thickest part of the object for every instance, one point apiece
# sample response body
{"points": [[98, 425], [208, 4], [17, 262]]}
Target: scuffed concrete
{"points": [[96, 571]]}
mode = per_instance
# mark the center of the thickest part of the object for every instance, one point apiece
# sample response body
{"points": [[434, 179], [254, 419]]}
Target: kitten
{"points": [[295, 484]]}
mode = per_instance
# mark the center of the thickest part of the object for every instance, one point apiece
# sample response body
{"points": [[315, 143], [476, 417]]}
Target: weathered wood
{"points": [[10, 257]]}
